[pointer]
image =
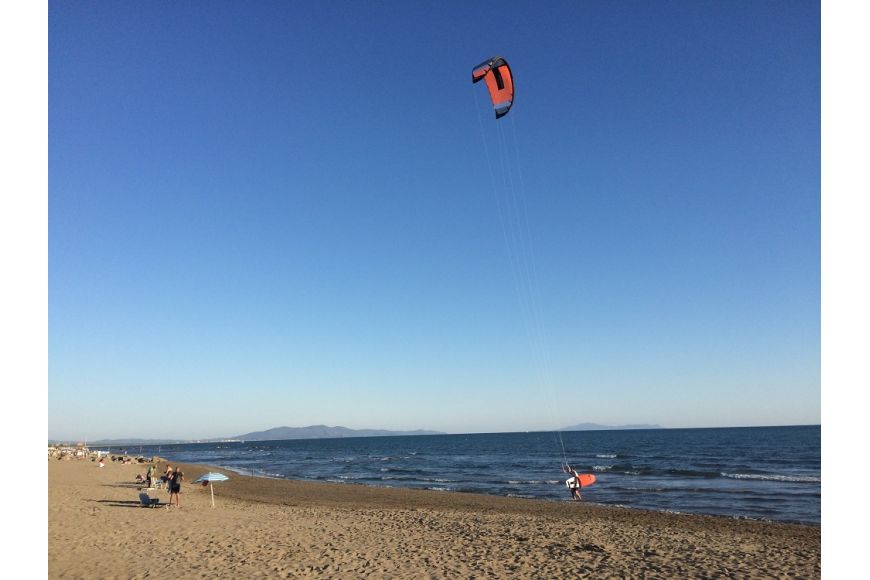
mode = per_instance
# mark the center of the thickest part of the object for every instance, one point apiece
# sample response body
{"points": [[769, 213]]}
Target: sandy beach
{"points": [[279, 528]]}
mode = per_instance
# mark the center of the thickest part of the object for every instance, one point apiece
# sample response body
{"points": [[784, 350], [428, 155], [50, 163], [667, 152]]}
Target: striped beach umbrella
{"points": [[210, 478]]}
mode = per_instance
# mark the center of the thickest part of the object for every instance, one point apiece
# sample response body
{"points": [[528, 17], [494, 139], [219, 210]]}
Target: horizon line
{"points": [[402, 433]]}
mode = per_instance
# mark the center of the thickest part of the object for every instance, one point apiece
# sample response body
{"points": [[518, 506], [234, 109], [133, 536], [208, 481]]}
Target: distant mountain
{"points": [[324, 432], [311, 432], [597, 427]]}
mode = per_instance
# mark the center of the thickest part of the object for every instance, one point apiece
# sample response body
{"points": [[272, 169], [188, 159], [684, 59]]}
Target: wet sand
{"points": [[280, 528]]}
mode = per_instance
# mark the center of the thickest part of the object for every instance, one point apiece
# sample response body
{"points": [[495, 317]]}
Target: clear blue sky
{"points": [[281, 214]]}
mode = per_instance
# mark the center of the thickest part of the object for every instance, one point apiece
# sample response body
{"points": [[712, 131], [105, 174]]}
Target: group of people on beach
{"points": [[172, 479]]}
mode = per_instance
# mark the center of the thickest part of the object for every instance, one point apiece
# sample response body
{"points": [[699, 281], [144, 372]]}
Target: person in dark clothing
{"points": [[175, 486], [167, 477]]}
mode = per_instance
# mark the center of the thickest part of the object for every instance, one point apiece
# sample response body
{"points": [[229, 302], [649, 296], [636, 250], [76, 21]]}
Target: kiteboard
{"points": [[586, 479]]}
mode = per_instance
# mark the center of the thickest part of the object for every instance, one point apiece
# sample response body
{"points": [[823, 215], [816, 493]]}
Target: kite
{"points": [[499, 81]]}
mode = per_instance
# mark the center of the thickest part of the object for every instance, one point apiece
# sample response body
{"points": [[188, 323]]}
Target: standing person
{"points": [[167, 478], [175, 487], [152, 471], [575, 491]]}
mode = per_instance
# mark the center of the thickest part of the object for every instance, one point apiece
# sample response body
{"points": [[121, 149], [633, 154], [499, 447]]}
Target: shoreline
{"points": [[211, 467], [299, 528]]}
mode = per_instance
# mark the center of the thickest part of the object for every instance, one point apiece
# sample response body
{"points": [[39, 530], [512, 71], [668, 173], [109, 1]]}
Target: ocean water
{"points": [[768, 473]]}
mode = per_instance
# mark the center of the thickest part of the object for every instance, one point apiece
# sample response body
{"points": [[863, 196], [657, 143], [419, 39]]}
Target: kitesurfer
{"points": [[575, 489]]}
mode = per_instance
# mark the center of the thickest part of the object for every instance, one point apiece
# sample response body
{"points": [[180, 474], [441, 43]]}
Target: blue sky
{"points": [[282, 214]]}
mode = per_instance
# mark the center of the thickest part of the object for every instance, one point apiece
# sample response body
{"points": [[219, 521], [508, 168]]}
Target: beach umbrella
{"points": [[210, 478]]}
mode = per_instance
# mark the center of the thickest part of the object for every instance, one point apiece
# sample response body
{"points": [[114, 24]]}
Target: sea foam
{"points": [[774, 477]]}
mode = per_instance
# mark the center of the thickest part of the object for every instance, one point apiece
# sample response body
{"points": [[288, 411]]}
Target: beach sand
{"points": [[279, 528]]}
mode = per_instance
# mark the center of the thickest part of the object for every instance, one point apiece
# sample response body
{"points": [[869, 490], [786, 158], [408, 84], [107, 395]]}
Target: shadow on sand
{"points": [[123, 503], [127, 485]]}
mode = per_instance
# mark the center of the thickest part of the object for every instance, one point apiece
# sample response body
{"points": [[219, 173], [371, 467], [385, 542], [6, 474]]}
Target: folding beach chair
{"points": [[147, 501]]}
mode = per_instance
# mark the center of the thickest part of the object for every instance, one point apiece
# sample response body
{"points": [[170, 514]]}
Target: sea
{"points": [[763, 473]]}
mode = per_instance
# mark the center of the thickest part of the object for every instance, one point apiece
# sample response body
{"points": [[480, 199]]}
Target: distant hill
{"points": [[325, 432], [597, 427], [311, 432]]}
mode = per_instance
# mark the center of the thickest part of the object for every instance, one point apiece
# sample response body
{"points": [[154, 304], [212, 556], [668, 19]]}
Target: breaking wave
{"points": [[774, 477]]}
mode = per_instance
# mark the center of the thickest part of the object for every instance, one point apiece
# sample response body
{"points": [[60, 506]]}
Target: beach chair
{"points": [[147, 501]]}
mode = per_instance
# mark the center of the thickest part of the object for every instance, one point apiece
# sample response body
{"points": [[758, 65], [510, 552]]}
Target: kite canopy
{"points": [[499, 81]]}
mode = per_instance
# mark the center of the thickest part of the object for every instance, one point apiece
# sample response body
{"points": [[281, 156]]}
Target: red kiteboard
{"points": [[586, 479]]}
